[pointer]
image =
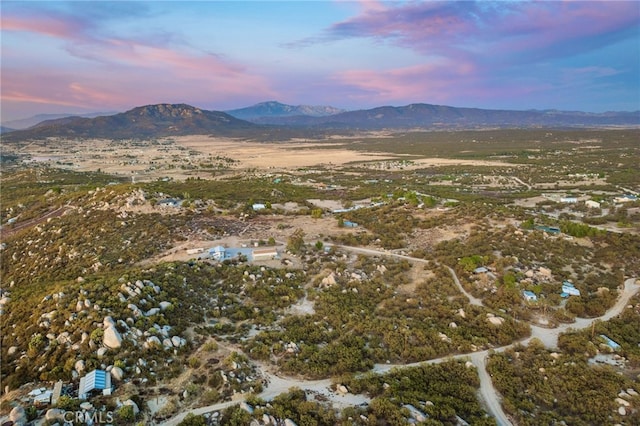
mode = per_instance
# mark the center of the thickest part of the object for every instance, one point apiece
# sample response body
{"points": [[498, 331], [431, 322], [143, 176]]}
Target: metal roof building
{"points": [[95, 380]]}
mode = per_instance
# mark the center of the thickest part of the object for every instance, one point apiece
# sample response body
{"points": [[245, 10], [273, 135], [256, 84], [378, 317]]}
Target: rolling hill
{"points": [[25, 123]]}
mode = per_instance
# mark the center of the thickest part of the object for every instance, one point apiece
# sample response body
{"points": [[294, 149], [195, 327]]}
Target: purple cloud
{"points": [[530, 30], [141, 68]]}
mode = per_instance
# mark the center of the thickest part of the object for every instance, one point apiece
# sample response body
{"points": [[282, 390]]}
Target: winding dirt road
{"points": [[487, 392]]}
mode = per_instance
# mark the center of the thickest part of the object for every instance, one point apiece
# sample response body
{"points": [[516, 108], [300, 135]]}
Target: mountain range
{"points": [[264, 111], [25, 123], [282, 120]]}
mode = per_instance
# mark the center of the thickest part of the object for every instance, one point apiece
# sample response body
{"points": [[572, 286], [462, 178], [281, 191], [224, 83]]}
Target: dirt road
{"points": [[487, 392]]}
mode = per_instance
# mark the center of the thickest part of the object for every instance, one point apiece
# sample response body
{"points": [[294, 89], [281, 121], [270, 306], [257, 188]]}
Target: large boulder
{"points": [[108, 322], [178, 341], [54, 414], [79, 366], [112, 338], [18, 416], [117, 373]]}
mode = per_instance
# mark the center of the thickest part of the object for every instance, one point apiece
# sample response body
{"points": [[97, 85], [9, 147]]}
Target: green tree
{"points": [[296, 241], [193, 420]]}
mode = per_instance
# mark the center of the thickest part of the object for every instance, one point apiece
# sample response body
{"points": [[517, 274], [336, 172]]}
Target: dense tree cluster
{"points": [[541, 387]]}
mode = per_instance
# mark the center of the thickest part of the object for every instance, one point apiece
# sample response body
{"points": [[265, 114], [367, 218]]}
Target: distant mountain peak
{"points": [[166, 110], [270, 109]]}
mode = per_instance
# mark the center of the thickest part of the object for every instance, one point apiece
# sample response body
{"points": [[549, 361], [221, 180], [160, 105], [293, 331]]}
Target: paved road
{"points": [[488, 393]]}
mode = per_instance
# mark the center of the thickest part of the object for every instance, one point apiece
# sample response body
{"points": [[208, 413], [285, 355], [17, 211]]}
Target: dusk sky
{"points": [[83, 56]]}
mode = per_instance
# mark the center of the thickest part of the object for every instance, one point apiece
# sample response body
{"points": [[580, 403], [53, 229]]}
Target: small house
{"points": [[569, 200], [548, 229], [613, 345], [592, 204], [625, 199], [217, 252], [97, 380], [569, 289], [529, 296], [258, 206], [266, 253], [170, 202], [349, 224]]}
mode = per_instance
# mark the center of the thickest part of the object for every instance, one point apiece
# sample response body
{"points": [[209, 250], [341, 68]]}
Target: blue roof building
{"points": [[569, 289], [613, 345], [95, 380], [529, 296]]}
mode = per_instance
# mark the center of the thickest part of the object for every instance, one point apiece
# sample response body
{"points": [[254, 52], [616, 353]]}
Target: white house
{"points": [[217, 252], [592, 204], [625, 199], [570, 200], [266, 253], [569, 289]]}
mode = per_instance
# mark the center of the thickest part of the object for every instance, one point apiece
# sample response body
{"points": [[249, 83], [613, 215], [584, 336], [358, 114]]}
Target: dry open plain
{"points": [[204, 156]]}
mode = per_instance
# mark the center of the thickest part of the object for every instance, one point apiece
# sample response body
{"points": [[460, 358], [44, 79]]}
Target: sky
{"points": [[90, 56]]}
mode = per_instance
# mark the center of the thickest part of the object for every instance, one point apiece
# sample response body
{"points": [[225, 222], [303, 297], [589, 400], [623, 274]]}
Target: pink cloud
{"points": [[129, 71], [43, 25], [500, 29]]}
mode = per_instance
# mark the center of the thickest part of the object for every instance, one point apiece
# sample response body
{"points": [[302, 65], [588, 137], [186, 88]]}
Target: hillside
{"points": [[142, 122], [25, 123]]}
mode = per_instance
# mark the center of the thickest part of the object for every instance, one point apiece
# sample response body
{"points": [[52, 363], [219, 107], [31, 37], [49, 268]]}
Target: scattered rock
{"points": [[54, 414], [151, 312], [12, 350], [495, 320], [622, 402], [151, 341], [329, 281], [136, 409], [342, 389], [79, 366], [165, 305]]}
